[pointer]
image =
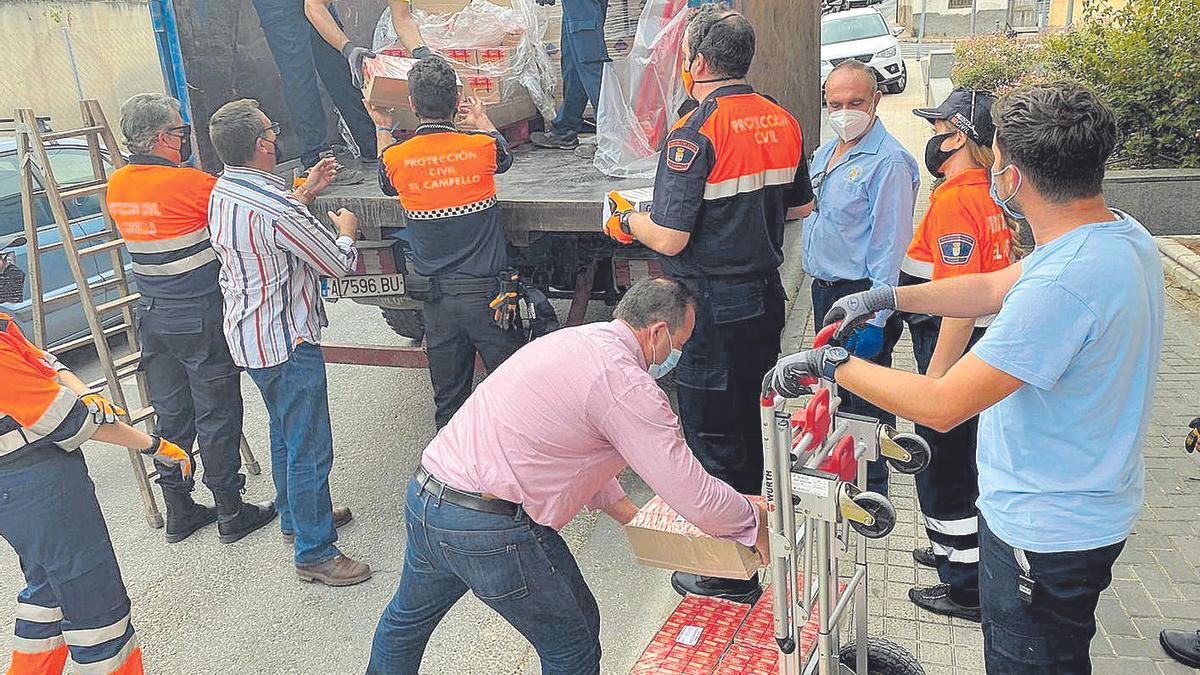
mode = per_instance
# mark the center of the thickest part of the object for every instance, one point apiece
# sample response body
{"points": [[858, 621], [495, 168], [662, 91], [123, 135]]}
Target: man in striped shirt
{"points": [[161, 210], [273, 253]]}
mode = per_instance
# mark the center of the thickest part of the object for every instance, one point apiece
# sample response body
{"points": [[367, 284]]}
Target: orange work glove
{"points": [[613, 227], [168, 453], [103, 410]]}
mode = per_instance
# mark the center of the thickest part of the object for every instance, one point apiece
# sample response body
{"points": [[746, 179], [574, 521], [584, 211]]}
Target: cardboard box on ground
{"points": [[660, 537]]}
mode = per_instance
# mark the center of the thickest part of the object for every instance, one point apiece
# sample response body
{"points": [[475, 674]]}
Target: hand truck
{"points": [[814, 483]]}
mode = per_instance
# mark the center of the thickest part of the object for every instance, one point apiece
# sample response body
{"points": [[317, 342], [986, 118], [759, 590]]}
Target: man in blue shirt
{"points": [[1064, 380], [862, 221]]}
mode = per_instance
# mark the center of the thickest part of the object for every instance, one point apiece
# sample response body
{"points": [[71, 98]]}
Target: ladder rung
{"points": [[62, 298], [83, 132], [141, 415], [101, 248], [127, 360], [107, 307], [96, 385], [83, 190], [87, 339], [78, 240]]}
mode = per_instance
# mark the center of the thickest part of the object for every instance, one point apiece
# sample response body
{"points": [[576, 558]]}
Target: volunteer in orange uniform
{"points": [[445, 181], [74, 603], [963, 232], [161, 210], [729, 173]]}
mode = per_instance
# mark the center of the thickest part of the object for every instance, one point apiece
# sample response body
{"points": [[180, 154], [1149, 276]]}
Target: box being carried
{"points": [[661, 538], [387, 81], [642, 199]]}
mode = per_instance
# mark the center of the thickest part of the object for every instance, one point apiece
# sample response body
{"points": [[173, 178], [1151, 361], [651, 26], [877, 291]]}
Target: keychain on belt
{"points": [[1026, 585]]}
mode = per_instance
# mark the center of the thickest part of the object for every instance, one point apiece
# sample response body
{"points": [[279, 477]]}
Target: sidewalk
{"points": [[1157, 579]]}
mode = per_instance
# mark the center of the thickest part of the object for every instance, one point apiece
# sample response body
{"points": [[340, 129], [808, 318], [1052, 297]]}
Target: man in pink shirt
{"points": [[544, 436]]}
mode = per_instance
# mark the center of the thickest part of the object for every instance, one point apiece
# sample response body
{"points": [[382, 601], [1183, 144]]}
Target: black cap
{"points": [[970, 111]]}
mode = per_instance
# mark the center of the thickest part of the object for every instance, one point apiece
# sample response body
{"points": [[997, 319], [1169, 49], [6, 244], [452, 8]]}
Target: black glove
{"points": [[856, 309], [546, 3], [795, 373], [422, 52], [355, 56]]}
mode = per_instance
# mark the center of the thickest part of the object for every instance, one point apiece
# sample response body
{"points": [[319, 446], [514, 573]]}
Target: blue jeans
{"points": [[823, 297], [297, 400], [583, 57], [521, 569], [1054, 632], [301, 55]]}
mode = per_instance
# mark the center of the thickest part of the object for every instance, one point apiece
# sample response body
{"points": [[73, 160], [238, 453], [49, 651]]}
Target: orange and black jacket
{"points": [[161, 211], [445, 181], [33, 405], [727, 175]]}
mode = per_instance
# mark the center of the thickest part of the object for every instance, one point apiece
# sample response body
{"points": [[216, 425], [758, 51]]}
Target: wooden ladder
{"points": [[37, 180]]}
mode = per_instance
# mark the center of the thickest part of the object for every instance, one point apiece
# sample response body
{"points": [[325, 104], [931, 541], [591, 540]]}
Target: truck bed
{"points": [[544, 191]]}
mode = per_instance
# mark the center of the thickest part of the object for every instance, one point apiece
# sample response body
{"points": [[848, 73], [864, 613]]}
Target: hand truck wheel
{"points": [[912, 445], [884, 657], [870, 513]]}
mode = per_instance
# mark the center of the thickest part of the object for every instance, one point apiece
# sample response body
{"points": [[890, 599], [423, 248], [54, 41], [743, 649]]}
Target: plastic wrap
{"points": [[482, 25], [640, 95]]}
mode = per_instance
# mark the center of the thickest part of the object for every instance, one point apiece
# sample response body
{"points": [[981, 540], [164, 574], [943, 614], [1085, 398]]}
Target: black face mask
{"points": [[935, 156], [12, 284]]}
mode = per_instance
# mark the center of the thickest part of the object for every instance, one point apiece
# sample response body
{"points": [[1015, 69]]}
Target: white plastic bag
{"points": [[482, 24], [640, 95]]}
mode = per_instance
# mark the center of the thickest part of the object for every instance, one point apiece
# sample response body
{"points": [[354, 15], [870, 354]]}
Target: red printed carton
{"points": [[694, 638]]}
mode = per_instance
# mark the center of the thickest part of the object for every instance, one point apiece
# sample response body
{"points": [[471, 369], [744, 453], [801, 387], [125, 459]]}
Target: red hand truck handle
{"points": [[816, 421], [826, 334], [841, 460]]}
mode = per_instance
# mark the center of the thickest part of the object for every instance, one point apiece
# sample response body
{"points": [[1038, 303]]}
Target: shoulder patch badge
{"points": [[956, 248], [681, 153]]}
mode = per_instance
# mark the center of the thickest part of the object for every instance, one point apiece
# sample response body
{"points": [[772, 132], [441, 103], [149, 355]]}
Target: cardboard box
{"points": [[661, 538], [642, 199], [694, 638], [486, 88], [749, 660], [387, 86], [495, 60]]}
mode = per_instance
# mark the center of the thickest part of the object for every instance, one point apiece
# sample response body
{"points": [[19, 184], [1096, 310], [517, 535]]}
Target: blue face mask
{"points": [[657, 370], [1003, 203]]}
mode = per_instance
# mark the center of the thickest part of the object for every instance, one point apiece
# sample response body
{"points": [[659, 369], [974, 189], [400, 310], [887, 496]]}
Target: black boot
{"points": [[184, 516], [1182, 645], [737, 590], [937, 599], [236, 518]]}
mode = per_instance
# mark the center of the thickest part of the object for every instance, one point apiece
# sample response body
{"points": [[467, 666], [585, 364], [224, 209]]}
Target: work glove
{"points": [[422, 52], [1193, 436], [867, 342], [167, 452], [103, 411], [616, 226], [856, 309], [355, 56], [795, 373]]}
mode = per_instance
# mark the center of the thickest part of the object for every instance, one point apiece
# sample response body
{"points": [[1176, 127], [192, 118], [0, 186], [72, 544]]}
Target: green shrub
{"points": [[1144, 59], [994, 62]]}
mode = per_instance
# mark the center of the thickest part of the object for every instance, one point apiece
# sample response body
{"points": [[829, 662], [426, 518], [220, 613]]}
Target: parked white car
{"points": [[863, 34]]}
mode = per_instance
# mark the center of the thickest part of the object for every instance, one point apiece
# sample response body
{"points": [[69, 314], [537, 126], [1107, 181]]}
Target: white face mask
{"points": [[850, 124]]}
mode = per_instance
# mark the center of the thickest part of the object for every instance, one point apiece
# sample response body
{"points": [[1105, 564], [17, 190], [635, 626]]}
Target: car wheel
{"points": [[902, 83]]}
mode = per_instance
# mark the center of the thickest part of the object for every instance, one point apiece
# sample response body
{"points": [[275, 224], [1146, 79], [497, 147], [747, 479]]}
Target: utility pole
{"points": [[921, 32], [974, 9], [1070, 12]]}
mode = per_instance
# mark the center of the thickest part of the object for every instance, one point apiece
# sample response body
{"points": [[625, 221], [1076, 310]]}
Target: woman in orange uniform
{"points": [[74, 603], [963, 232]]}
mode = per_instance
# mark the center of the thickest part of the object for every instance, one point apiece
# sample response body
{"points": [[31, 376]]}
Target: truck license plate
{"points": [[364, 286]]}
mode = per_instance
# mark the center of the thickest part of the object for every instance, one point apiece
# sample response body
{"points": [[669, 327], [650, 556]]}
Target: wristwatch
{"points": [[623, 219], [833, 357]]}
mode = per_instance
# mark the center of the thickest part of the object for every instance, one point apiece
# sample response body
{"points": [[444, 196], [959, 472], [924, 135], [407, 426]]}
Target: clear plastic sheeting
{"points": [[640, 95], [483, 25]]}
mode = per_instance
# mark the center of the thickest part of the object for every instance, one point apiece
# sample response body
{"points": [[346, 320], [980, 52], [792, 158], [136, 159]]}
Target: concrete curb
{"points": [[1180, 263]]}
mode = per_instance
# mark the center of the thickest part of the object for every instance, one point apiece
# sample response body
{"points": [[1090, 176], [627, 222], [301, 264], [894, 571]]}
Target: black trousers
{"points": [[719, 377], [194, 386], [1054, 632], [824, 294], [947, 490], [456, 327], [301, 55]]}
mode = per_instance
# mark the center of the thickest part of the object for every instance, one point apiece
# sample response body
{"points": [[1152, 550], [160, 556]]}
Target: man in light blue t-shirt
{"points": [[1063, 380]]}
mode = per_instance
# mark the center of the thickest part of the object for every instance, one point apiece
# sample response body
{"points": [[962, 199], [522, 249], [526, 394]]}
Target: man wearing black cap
{"points": [[963, 232]]}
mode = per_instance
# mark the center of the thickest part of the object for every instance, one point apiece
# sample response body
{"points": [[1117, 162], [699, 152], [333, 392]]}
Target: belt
{"points": [[836, 282], [467, 500], [466, 285]]}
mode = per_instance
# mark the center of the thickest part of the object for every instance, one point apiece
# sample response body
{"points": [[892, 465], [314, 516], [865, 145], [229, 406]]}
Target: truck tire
{"points": [[884, 657], [408, 323]]}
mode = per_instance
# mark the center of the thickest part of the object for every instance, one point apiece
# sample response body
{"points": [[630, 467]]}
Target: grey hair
{"points": [[144, 117], [234, 129], [864, 71], [653, 300]]}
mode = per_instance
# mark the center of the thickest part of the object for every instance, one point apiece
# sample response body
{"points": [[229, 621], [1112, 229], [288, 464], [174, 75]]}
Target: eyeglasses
{"points": [[274, 128], [817, 180], [182, 131]]}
